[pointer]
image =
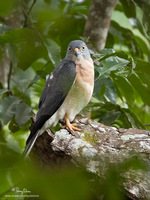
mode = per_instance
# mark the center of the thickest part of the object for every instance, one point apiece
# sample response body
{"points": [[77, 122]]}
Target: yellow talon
{"points": [[70, 126]]}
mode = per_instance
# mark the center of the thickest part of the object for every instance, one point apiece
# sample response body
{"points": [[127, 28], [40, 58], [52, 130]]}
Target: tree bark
{"points": [[97, 24], [97, 147]]}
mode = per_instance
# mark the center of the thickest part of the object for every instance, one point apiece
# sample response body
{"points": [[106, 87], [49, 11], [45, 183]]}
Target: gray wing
{"points": [[54, 93]]}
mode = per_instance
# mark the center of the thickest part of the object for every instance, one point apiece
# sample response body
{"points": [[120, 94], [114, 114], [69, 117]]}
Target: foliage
{"points": [[122, 75], [122, 86]]}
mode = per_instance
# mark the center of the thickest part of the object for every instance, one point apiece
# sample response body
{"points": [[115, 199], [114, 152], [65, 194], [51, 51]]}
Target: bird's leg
{"points": [[69, 125]]}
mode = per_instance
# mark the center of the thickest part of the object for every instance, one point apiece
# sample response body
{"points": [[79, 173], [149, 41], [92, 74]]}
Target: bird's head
{"points": [[77, 50]]}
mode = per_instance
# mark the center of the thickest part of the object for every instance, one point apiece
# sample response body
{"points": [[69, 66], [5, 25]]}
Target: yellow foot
{"points": [[70, 126]]}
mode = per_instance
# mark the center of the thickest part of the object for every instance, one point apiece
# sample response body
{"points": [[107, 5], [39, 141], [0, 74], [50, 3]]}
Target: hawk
{"points": [[67, 91]]}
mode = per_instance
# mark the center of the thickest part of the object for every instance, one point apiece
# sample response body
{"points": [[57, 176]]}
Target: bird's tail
{"points": [[29, 145]]}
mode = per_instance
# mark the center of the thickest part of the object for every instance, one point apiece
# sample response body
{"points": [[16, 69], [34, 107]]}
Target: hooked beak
{"points": [[76, 51]]}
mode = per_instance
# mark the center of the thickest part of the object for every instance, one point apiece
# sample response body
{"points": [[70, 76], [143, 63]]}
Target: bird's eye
{"points": [[69, 49], [83, 48]]}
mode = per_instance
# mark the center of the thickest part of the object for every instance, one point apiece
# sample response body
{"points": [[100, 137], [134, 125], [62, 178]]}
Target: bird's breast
{"points": [[85, 71], [80, 92]]}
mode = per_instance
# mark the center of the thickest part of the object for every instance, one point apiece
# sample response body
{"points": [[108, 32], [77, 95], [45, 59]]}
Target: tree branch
{"points": [[27, 14], [97, 147], [9, 76], [97, 24]]}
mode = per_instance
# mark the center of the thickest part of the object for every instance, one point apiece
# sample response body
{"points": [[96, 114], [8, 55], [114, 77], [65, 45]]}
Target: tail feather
{"points": [[29, 145]]}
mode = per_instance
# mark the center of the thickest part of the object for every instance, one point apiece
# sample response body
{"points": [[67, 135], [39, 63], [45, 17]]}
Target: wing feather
{"points": [[54, 93]]}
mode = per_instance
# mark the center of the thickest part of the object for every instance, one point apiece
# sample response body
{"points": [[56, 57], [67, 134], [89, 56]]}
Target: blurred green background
{"points": [[34, 36]]}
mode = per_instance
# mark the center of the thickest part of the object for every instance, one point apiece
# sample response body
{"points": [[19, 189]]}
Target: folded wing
{"points": [[54, 93]]}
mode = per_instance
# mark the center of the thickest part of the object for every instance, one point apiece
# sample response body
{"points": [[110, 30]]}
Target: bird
{"points": [[67, 91]]}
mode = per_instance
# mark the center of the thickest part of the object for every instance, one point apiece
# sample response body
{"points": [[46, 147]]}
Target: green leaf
{"points": [[28, 44], [4, 91], [104, 89], [143, 71], [126, 37], [111, 64], [125, 88], [101, 109], [19, 35], [104, 53], [6, 7], [142, 111], [47, 1], [22, 114], [135, 22], [107, 51], [129, 8], [53, 51], [13, 126], [8, 108], [47, 69], [143, 44], [12, 106], [30, 52], [110, 117], [36, 78], [145, 7], [143, 90], [142, 67], [38, 87], [145, 78], [133, 119], [22, 94]]}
